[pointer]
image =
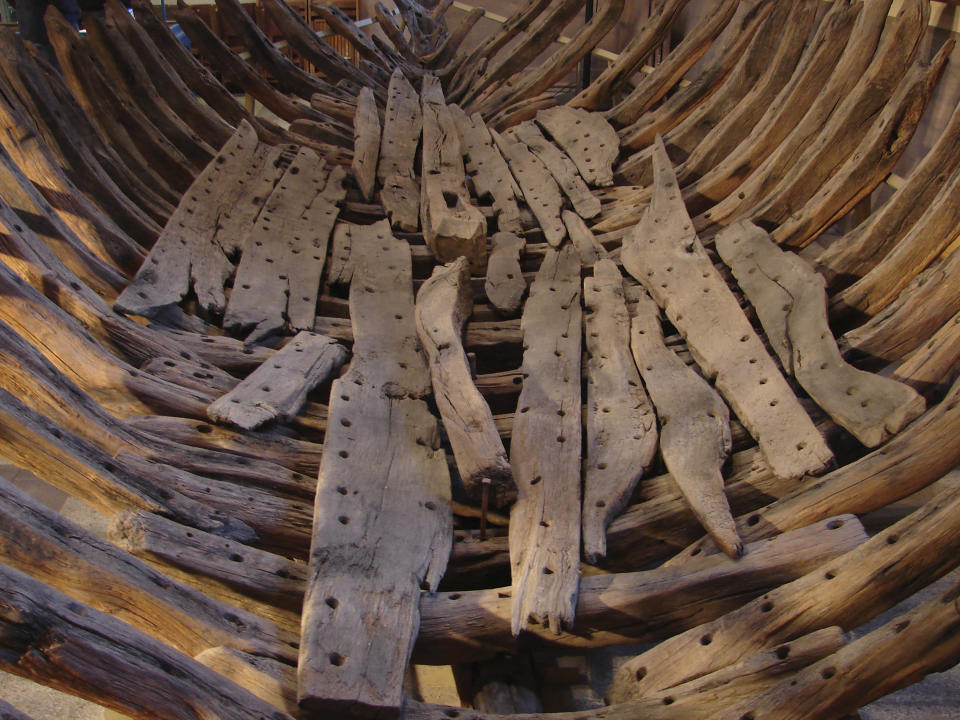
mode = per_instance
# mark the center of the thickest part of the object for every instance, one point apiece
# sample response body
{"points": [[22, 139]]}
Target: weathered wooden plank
{"points": [[272, 681], [583, 240], [621, 425], [932, 368], [452, 227], [560, 166], [366, 148], [277, 390], [400, 191], [545, 522], [443, 303], [340, 266], [505, 284], [694, 426], [540, 191], [791, 302], [382, 519], [104, 660], [664, 246], [490, 174], [587, 138]]}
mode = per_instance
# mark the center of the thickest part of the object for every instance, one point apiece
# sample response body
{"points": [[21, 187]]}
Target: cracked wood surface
{"points": [[402, 122], [587, 138], [505, 284], [366, 148]]}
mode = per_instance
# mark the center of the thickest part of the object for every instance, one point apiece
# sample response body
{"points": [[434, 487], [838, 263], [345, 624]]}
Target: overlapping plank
{"points": [[583, 239], [400, 191], [587, 138], [545, 450], [452, 226], [666, 256], [366, 147], [791, 302]]}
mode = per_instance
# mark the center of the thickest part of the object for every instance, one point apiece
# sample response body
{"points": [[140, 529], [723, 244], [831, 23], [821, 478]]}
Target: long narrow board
{"points": [[366, 146], [278, 279], [545, 449], [400, 191], [664, 253], [383, 524], [791, 302], [278, 388], [695, 425], [452, 226], [621, 425], [587, 137]]}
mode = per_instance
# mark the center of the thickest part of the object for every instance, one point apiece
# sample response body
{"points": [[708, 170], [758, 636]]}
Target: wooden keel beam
{"points": [[621, 425], [505, 284], [443, 303], [545, 522], [587, 138], [399, 189], [664, 246], [366, 148]]}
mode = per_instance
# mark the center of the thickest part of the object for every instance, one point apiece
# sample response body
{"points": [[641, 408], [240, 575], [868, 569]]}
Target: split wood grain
{"points": [[443, 303], [694, 426], [278, 389], [621, 425], [665, 255], [106, 661], [587, 138], [540, 191], [560, 166], [489, 171], [272, 681], [278, 279], [505, 284], [791, 302], [366, 147], [452, 226], [591, 251], [545, 450], [399, 189]]}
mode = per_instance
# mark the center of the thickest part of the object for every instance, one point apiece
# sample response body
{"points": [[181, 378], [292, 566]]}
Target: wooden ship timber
{"points": [[453, 363]]}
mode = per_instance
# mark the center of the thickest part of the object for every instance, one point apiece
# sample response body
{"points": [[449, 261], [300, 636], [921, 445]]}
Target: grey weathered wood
{"points": [[104, 660], [382, 518], [490, 173], [665, 255], [278, 279], [540, 191], [583, 239], [278, 388], [561, 167], [587, 138], [340, 265], [505, 284], [452, 227], [621, 424], [366, 147], [695, 426], [399, 189], [791, 302], [443, 303], [545, 450]]}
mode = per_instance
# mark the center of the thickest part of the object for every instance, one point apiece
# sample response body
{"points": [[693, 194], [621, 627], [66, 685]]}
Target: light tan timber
{"points": [[859, 250], [445, 53], [621, 425], [560, 166], [694, 426], [443, 303], [870, 162], [655, 86], [933, 367], [540, 191], [666, 256], [452, 226], [102, 659], [846, 591], [909, 647], [278, 278], [383, 494], [186, 253], [489, 171], [272, 681], [545, 522], [96, 572], [587, 138], [400, 191], [583, 240], [278, 389], [791, 302], [505, 284], [648, 37], [366, 148]]}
